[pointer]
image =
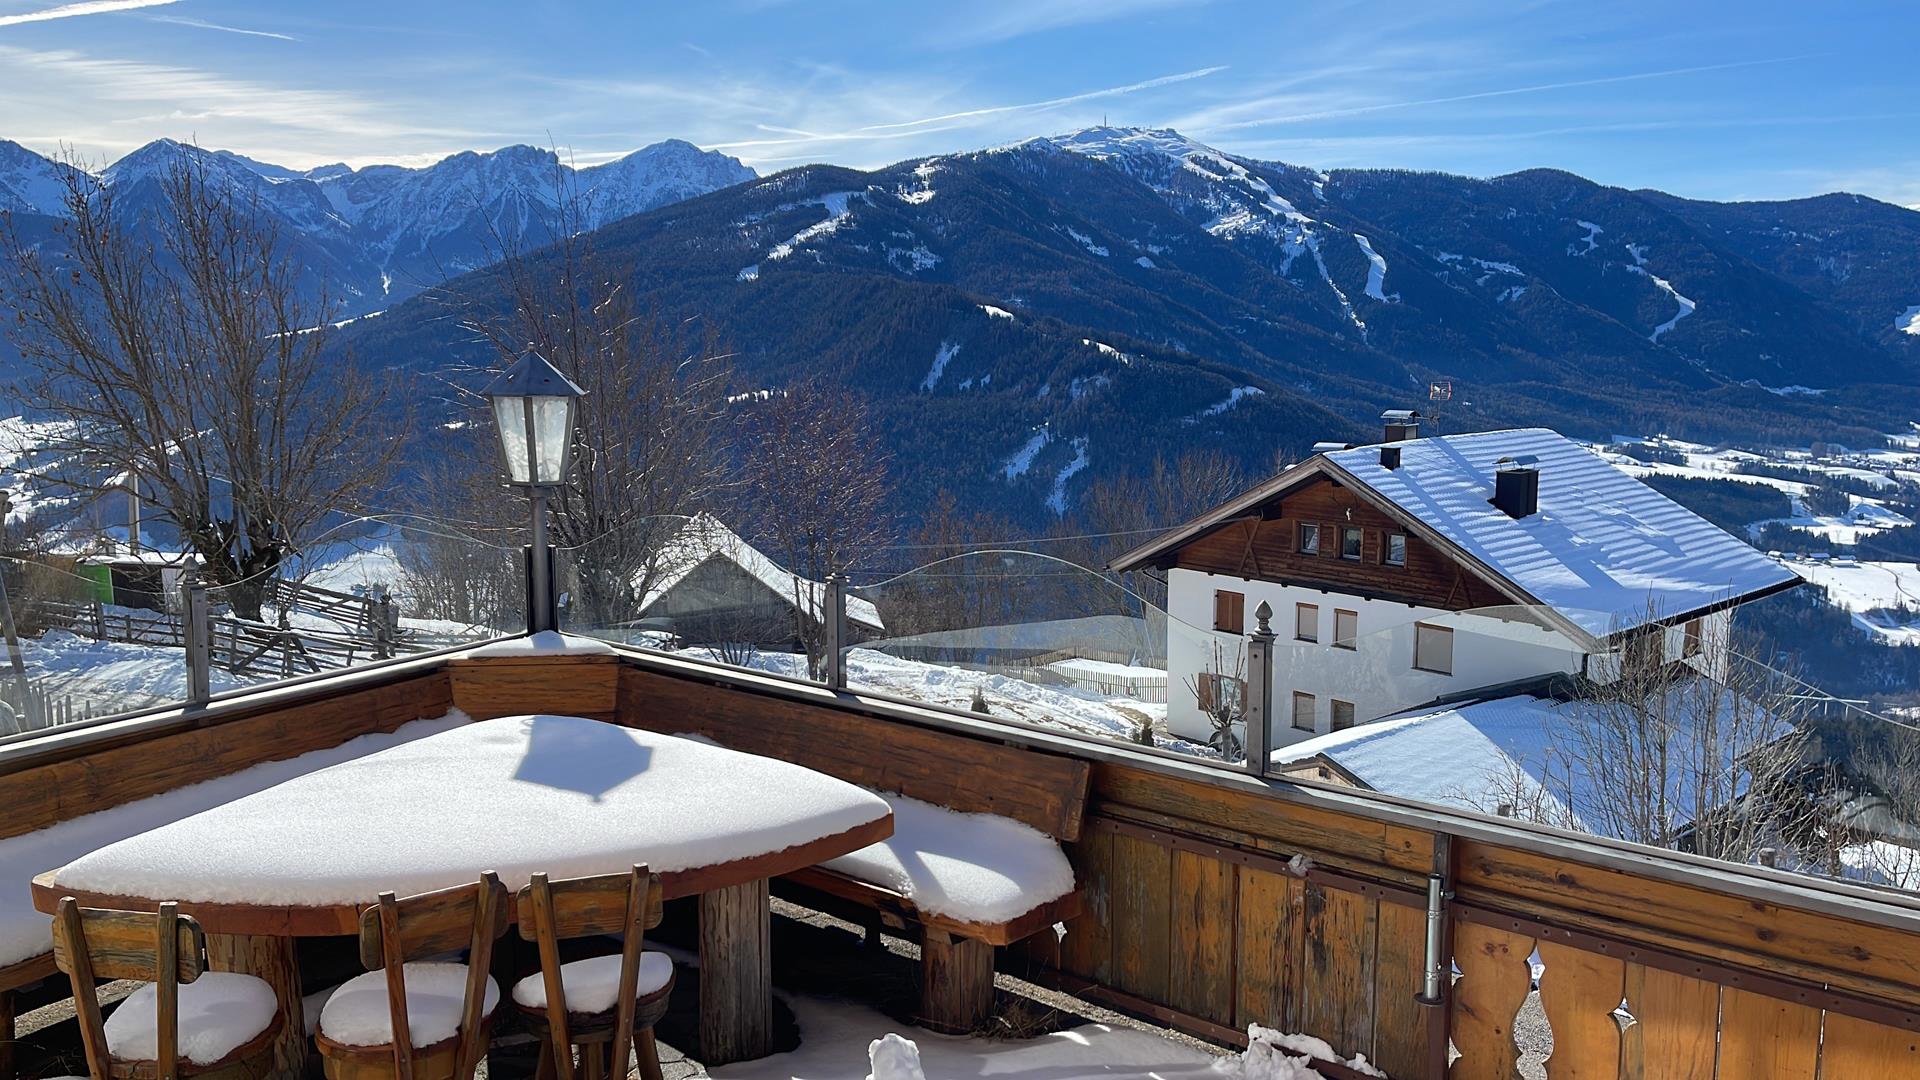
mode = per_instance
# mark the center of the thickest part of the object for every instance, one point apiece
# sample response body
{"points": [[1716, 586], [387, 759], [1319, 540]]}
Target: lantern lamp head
{"points": [[534, 406]]}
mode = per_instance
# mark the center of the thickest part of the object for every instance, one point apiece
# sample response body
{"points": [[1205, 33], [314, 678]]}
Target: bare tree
{"points": [[1221, 691], [816, 487], [649, 440], [187, 351]]}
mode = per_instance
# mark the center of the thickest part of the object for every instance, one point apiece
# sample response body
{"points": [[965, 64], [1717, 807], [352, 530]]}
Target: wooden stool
{"points": [[603, 1004], [358, 1039], [216, 1025]]}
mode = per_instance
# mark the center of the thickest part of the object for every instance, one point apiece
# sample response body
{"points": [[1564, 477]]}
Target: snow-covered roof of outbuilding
{"points": [[1603, 552], [706, 538]]}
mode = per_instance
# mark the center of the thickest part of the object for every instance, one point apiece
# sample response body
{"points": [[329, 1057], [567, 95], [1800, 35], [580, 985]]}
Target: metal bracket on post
{"points": [[1259, 704], [197, 636], [836, 631], [1436, 982]]}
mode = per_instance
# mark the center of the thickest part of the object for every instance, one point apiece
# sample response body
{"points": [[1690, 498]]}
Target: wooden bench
{"points": [[964, 774]]}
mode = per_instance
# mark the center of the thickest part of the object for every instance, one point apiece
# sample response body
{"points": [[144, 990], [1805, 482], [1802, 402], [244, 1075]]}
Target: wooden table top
{"points": [[516, 795]]}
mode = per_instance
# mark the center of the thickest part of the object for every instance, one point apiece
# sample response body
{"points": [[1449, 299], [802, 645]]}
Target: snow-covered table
{"points": [[516, 795]]}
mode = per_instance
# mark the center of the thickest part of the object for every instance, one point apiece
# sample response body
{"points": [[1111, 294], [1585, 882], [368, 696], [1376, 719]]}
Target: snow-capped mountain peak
{"points": [[30, 183]]}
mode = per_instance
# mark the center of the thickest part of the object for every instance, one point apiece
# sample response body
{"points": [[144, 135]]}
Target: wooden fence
{"points": [[239, 646]]}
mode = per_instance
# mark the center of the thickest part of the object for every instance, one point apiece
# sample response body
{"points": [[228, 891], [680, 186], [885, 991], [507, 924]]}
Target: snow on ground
{"points": [[997, 312], [1022, 459], [1376, 270], [1702, 463], [1861, 587], [1639, 253], [1145, 263], [1057, 498], [923, 176], [838, 206], [1909, 321], [1081, 712], [1233, 398], [836, 1037], [1865, 518], [1086, 241], [1590, 241], [1346, 305], [941, 358], [1108, 350], [112, 676]]}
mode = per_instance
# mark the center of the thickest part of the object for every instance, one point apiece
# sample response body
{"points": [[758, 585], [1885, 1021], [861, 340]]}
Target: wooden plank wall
{"points": [[39, 795]]}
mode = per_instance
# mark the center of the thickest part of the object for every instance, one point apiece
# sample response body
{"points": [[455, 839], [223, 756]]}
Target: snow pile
{"points": [[593, 985], [891, 1057], [1277, 1055], [544, 643], [941, 358], [357, 1014], [219, 1012], [403, 819], [970, 867], [25, 932]]}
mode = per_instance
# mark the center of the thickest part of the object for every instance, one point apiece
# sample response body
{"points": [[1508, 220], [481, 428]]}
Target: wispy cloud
{"points": [[1481, 95], [952, 120], [985, 23], [85, 7], [181, 20]]}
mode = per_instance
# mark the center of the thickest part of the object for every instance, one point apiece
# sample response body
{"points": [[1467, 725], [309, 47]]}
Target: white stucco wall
{"points": [[1377, 676]]}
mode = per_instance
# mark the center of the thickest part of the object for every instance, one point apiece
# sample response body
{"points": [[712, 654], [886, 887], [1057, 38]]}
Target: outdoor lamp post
{"points": [[534, 406]]}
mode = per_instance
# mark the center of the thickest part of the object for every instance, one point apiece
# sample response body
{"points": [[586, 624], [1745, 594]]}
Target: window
{"points": [[1691, 646], [1433, 648], [1218, 692], [1346, 629], [1350, 542], [1306, 622], [1395, 551], [1309, 538], [1303, 719], [1340, 716], [1230, 611]]}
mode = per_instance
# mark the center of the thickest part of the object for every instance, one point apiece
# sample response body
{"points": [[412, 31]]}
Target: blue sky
{"points": [[1709, 99]]}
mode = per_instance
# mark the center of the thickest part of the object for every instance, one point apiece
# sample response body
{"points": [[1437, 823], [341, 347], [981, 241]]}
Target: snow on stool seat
{"points": [[220, 1012], [593, 985], [356, 1014], [970, 868]]}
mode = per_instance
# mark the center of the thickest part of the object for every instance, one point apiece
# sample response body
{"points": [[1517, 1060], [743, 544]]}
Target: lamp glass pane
{"points": [[512, 422], [553, 437]]}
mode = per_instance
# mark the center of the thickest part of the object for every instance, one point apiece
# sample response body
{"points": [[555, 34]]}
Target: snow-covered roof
{"points": [[1604, 553], [705, 538], [1475, 756], [1526, 751]]}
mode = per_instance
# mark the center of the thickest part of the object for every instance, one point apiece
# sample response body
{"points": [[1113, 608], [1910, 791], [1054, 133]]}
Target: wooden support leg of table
{"points": [[736, 974], [7, 1066], [272, 959], [956, 982]]}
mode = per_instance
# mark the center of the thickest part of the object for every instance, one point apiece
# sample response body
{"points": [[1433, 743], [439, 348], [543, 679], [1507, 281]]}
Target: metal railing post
{"points": [[1259, 704], [836, 631], [197, 635], [384, 624]]}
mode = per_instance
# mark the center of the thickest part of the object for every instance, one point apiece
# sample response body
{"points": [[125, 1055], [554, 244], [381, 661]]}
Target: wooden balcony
{"points": [[1213, 899]]}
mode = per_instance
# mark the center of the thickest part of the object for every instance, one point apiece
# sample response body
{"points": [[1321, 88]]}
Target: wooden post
{"points": [[956, 983], [274, 960], [736, 976]]}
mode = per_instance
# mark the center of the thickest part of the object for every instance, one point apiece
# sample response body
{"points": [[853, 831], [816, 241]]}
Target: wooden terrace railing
{"points": [[1219, 899]]}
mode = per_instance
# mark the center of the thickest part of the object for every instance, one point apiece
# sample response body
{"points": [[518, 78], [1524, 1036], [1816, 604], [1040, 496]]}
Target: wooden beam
{"points": [[956, 983], [736, 976]]}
